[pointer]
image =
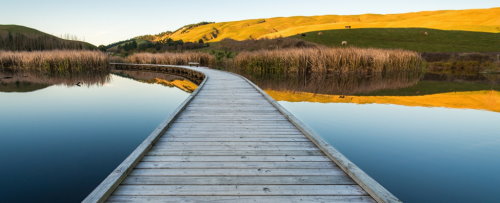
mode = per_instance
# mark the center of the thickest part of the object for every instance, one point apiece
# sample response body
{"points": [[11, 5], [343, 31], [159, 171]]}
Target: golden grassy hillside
{"points": [[484, 99], [483, 20]]}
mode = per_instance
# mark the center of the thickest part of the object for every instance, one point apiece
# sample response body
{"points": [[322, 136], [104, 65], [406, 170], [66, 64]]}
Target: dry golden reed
{"points": [[323, 59], [184, 58], [58, 61]]}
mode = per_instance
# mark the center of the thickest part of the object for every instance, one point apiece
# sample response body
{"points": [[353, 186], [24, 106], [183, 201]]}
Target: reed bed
{"points": [[58, 61], [331, 60], [184, 58]]}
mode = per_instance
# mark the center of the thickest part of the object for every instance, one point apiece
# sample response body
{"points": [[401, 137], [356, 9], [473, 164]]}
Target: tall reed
{"points": [[184, 58], [322, 59], [59, 61]]}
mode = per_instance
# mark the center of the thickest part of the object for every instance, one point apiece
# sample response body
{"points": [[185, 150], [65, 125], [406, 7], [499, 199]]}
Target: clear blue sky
{"points": [[107, 21]]}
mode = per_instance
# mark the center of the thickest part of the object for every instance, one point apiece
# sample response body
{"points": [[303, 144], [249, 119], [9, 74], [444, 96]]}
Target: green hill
{"points": [[417, 39], [20, 38]]}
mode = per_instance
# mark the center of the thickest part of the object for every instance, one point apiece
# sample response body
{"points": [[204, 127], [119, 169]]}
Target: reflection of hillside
{"points": [[346, 84], [485, 99], [21, 86], [158, 78], [434, 84], [28, 82]]}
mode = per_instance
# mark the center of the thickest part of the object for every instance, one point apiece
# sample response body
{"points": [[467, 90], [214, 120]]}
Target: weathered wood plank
{"points": [[233, 139], [233, 134], [256, 147], [232, 165], [243, 199], [235, 158], [239, 129], [240, 190], [194, 152], [235, 172], [196, 144], [239, 180]]}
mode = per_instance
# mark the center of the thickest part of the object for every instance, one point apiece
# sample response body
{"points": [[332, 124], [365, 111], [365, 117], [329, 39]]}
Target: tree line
{"points": [[20, 42]]}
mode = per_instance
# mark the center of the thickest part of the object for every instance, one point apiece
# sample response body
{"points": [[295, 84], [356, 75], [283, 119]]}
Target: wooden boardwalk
{"points": [[230, 142]]}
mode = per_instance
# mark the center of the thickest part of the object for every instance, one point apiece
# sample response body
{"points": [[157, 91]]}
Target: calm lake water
{"points": [[426, 138], [59, 140]]}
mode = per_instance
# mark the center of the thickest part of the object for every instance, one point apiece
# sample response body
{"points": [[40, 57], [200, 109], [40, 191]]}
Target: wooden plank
{"points": [[232, 165], [235, 172], [230, 117], [239, 180], [240, 190], [194, 152], [256, 147], [233, 134], [234, 139], [229, 136], [241, 129], [235, 158], [196, 144], [243, 199]]}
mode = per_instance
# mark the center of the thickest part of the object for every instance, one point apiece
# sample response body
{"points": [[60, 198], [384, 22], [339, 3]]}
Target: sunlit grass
{"points": [[337, 60], [168, 58], [482, 20], [58, 61]]}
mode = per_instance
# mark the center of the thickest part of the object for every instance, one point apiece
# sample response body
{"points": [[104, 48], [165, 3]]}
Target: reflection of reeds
{"points": [[57, 62], [172, 58], [345, 84], [339, 60], [88, 79]]}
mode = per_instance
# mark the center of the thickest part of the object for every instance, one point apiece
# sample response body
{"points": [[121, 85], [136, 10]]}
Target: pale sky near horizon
{"points": [[107, 21]]}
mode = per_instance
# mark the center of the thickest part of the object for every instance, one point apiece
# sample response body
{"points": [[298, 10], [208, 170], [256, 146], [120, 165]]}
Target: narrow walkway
{"points": [[232, 144]]}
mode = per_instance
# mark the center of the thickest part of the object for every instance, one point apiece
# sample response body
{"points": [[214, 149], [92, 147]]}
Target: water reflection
{"points": [[416, 152], [60, 142], [343, 84], [32, 81], [159, 78], [478, 91]]}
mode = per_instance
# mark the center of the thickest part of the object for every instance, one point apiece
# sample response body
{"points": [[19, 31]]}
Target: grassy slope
{"points": [[33, 33], [409, 38], [20, 29], [483, 20]]}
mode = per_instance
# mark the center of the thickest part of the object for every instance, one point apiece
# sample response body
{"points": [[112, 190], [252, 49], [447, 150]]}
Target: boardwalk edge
{"points": [[377, 191], [113, 180]]}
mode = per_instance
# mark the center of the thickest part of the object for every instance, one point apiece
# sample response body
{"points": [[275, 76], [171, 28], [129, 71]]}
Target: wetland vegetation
{"points": [[54, 62]]}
